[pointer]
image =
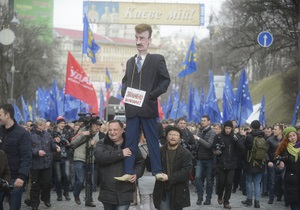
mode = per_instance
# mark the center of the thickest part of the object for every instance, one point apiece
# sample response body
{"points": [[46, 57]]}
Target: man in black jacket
{"points": [[146, 75], [15, 142], [172, 193], [205, 162], [110, 153], [226, 146], [188, 139]]}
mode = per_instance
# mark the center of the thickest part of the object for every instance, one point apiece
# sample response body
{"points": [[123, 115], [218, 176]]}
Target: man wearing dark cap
{"points": [[254, 168], [226, 146], [176, 167], [61, 160]]}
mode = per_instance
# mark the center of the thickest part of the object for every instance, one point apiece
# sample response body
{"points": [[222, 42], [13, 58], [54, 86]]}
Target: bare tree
{"points": [[34, 58], [240, 22]]}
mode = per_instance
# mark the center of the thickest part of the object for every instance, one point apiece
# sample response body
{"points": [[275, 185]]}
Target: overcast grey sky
{"points": [[68, 14]]}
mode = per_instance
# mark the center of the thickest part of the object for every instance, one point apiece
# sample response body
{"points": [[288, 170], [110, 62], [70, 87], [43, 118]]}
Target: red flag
{"points": [[79, 85], [160, 111]]}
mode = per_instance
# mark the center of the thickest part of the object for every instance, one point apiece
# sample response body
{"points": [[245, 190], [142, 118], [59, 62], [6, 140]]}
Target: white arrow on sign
{"points": [[265, 40]]}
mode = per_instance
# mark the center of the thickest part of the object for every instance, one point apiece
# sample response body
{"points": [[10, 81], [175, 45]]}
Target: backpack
{"points": [[258, 151]]}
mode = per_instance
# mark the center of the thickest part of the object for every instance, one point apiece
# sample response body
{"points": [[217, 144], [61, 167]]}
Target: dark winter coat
{"points": [[227, 160], [4, 169], [248, 146], [41, 140], [179, 180], [272, 145], [110, 159], [204, 144], [15, 142], [291, 178]]}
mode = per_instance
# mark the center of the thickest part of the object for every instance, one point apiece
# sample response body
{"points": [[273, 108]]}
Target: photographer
{"points": [[225, 147], [85, 139], [61, 160]]}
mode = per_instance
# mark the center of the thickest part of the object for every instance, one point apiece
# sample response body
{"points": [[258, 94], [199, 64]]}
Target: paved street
{"points": [[235, 203]]}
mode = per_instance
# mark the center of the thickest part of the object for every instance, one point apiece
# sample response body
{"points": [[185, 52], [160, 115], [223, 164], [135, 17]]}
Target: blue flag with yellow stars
{"points": [[189, 65], [89, 45]]}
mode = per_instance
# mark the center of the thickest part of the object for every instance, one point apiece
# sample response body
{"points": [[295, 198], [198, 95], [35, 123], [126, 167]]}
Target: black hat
{"points": [[228, 123], [173, 128], [255, 124]]}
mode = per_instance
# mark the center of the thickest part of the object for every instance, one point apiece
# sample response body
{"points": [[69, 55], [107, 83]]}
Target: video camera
{"points": [[63, 140], [219, 146], [5, 187], [88, 119]]}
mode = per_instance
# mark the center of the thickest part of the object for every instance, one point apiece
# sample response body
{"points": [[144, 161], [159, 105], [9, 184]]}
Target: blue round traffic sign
{"points": [[265, 39]]}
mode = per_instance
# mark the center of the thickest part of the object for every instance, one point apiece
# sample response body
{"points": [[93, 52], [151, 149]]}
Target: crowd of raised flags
{"points": [[79, 94]]}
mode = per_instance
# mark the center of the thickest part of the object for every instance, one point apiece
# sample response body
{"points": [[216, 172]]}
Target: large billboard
{"points": [[39, 12], [150, 13]]}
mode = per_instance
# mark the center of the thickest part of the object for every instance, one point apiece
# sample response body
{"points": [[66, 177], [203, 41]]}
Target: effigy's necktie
{"points": [[139, 63]]}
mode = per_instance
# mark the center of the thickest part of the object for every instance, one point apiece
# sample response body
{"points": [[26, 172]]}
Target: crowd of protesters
{"points": [[50, 156]]}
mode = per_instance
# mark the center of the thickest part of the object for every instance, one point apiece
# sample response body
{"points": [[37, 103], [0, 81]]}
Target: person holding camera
{"points": [[42, 145], [15, 142], [61, 159], [86, 138], [287, 156], [226, 146]]}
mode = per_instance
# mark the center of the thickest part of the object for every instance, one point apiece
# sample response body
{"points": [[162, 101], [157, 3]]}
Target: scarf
{"points": [[293, 151]]}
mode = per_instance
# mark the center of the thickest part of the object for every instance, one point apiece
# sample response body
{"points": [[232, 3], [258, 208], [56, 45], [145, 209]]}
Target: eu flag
{"points": [[189, 65], [169, 106], [25, 110], [89, 45], [294, 119], [191, 104], [101, 105], [228, 98], [211, 105], [18, 115], [262, 117], [242, 101]]}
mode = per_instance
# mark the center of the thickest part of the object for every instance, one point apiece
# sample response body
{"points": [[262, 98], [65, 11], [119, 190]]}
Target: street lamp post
{"points": [[211, 28], [12, 82]]}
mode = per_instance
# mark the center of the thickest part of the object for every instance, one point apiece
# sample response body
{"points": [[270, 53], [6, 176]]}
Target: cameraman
{"points": [[86, 135], [61, 160], [225, 147]]}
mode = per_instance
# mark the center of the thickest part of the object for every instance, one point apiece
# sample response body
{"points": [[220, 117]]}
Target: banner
{"points": [[144, 12], [79, 85]]}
